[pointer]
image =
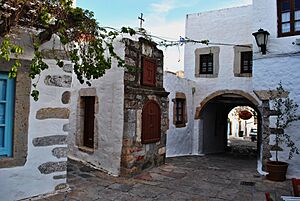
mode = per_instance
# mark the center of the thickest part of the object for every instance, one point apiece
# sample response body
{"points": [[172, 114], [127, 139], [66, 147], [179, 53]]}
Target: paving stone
{"points": [[85, 175], [121, 187], [206, 178]]}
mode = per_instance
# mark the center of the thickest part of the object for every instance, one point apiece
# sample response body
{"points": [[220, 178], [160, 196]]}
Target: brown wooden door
{"points": [[149, 72], [151, 120], [89, 116]]}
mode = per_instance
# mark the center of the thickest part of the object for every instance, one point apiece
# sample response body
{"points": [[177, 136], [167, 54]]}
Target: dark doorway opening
{"points": [[217, 130]]}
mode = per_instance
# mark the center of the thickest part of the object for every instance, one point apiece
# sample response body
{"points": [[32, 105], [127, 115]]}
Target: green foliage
{"points": [[286, 110], [88, 45]]}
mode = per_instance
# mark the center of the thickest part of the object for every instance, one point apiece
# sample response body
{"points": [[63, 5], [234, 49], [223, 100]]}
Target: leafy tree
{"points": [[85, 42], [286, 110]]}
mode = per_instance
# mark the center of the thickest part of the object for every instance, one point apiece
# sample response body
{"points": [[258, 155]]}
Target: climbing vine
{"points": [[84, 41], [88, 45]]}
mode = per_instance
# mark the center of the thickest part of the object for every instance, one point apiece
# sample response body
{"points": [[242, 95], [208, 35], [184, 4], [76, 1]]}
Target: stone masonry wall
{"points": [[135, 155]]}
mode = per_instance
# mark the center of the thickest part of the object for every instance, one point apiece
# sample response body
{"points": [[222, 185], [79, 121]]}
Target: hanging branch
{"points": [[84, 41]]}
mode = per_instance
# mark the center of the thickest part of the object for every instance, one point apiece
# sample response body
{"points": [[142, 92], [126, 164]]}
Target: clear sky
{"points": [[164, 18]]}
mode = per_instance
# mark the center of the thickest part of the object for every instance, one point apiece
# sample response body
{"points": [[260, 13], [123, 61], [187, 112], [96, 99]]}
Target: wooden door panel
{"points": [[151, 122]]}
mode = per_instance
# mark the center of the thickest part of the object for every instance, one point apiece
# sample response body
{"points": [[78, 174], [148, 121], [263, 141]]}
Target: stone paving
{"points": [[199, 178]]}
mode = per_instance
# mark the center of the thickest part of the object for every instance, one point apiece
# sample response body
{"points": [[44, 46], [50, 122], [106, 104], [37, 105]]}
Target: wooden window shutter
{"points": [[246, 62], [288, 12], [89, 116], [7, 90], [206, 64], [151, 122], [149, 72]]}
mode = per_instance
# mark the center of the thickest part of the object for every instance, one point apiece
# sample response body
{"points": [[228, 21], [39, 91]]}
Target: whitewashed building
{"points": [[231, 71], [33, 153], [105, 125]]}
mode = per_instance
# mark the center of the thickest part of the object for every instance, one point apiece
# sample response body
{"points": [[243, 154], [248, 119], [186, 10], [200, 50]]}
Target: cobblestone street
{"points": [[213, 177]]}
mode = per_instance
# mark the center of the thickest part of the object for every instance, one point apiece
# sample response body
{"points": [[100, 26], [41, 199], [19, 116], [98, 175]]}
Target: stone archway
{"points": [[224, 92], [213, 113]]}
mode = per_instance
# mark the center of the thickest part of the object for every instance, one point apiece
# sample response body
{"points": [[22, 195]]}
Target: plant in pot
{"points": [[286, 113]]}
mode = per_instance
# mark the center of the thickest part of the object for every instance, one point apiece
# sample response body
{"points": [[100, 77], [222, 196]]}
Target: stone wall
{"points": [[135, 155]]}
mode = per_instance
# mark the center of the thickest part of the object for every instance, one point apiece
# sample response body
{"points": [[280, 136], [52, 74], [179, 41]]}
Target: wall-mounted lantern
{"points": [[261, 37]]}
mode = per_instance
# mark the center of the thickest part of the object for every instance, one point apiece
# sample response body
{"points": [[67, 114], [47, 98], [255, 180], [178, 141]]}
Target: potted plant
{"points": [[286, 113]]}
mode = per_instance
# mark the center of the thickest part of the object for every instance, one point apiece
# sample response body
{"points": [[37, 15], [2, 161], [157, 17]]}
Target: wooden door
{"points": [[151, 122], [89, 117]]}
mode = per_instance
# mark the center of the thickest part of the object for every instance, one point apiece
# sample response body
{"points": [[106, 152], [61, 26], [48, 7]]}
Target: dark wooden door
{"points": [[149, 72], [89, 116], [151, 120]]}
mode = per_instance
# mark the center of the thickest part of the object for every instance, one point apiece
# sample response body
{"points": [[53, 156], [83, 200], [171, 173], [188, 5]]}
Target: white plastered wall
{"points": [[281, 63], [109, 119], [180, 141], [27, 181], [229, 26]]}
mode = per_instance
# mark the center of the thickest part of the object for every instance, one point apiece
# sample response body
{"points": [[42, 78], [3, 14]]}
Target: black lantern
{"points": [[261, 37]]}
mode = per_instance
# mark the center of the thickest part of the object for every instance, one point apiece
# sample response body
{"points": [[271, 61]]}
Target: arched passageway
{"points": [[214, 123]]}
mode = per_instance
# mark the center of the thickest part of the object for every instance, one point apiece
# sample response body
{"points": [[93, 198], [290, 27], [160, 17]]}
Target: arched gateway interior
{"points": [[222, 126]]}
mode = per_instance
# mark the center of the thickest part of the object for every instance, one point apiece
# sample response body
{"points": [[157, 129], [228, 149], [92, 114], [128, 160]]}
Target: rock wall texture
{"points": [[137, 156]]}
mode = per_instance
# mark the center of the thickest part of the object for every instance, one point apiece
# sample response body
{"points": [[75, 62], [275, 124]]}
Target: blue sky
{"points": [[164, 18]]}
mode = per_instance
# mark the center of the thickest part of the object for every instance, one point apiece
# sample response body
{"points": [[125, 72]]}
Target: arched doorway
{"points": [[213, 115], [242, 125]]}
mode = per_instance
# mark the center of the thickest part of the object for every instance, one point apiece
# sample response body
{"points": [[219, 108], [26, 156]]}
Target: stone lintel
{"points": [[53, 113], [88, 92]]}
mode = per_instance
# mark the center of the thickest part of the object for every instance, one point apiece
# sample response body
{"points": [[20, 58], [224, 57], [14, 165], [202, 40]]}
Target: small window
{"points": [[246, 62], [89, 117], [206, 64], [179, 110], [288, 17], [149, 72], [7, 90]]}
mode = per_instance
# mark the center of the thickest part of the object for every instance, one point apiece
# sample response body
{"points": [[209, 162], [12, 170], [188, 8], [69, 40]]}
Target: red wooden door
{"points": [[149, 72], [151, 117]]}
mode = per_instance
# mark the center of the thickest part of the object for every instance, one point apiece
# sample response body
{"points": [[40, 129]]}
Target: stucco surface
{"points": [[108, 119], [22, 182], [281, 63], [180, 140]]}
